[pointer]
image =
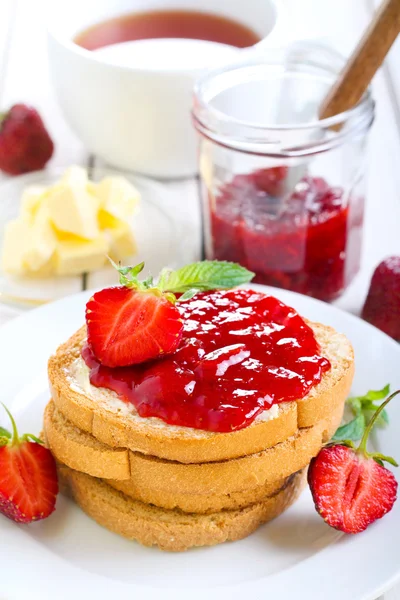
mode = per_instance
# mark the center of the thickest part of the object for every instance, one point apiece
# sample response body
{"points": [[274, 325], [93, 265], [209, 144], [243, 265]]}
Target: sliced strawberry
{"points": [[350, 487], [28, 478], [127, 327], [350, 491]]}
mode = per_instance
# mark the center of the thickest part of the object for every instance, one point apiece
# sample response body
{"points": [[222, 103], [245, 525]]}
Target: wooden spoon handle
{"points": [[364, 62]]}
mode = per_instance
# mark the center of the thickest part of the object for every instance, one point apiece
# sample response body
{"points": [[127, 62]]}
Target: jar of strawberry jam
{"points": [[283, 193]]}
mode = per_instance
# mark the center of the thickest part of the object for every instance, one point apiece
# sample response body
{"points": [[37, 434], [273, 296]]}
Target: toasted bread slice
{"points": [[83, 452], [117, 424], [170, 479], [171, 530]]}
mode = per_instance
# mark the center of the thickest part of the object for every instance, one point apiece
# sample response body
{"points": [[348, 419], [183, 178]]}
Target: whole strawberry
{"points": [[382, 306], [28, 477], [25, 144], [350, 487]]}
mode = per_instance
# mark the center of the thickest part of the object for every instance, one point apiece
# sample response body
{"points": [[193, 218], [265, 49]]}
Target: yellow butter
{"points": [[69, 227], [108, 221], [75, 176], [75, 257], [73, 210], [42, 242], [31, 199], [122, 242], [117, 196], [16, 243]]}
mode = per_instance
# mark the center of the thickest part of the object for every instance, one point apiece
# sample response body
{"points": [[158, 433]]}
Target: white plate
{"points": [[296, 556], [158, 233]]}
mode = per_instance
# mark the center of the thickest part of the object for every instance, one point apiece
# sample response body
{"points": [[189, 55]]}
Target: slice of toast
{"points": [[199, 503], [171, 530], [162, 478], [82, 452], [117, 424]]}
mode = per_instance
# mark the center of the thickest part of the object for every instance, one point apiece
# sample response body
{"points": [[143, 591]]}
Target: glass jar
{"points": [[283, 193]]}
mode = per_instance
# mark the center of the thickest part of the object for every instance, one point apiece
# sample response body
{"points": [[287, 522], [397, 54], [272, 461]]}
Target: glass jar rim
{"points": [[224, 129]]}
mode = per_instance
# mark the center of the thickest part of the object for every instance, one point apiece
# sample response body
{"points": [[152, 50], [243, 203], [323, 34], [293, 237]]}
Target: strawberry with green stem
{"points": [[351, 487], [28, 476], [139, 320]]}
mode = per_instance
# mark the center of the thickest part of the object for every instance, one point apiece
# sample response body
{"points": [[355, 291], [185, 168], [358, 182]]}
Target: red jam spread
{"points": [[241, 352], [307, 241]]}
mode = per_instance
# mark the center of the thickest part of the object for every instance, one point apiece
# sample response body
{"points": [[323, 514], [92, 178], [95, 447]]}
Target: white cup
{"points": [[137, 116]]}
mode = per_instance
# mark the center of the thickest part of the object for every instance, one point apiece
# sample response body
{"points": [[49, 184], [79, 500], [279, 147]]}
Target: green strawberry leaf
{"points": [[205, 275], [347, 443], [351, 431], [29, 437], [5, 433], [380, 458], [4, 440]]}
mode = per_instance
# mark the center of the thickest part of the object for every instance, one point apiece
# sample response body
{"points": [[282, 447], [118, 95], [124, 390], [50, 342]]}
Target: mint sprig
{"points": [[363, 409], [362, 448], [187, 281]]}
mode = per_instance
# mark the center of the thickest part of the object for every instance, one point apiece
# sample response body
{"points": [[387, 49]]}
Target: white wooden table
{"points": [[24, 77]]}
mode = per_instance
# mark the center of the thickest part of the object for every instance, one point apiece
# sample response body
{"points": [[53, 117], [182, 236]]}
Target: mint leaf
{"points": [[363, 409], [383, 419], [377, 394], [355, 405], [351, 431], [203, 276], [5, 433]]}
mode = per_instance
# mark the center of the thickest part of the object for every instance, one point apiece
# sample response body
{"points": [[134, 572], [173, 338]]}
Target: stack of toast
{"points": [[177, 487]]}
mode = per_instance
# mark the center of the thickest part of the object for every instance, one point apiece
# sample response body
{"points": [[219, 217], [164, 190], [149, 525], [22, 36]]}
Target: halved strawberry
{"points": [[350, 487], [28, 477], [127, 326]]}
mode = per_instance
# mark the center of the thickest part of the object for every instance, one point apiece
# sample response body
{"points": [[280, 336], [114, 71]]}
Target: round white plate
{"points": [[295, 556], [157, 232]]}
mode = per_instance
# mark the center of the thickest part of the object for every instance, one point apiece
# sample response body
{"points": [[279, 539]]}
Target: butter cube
{"points": [[117, 196], [107, 221], [73, 257], [73, 210], [122, 242], [75, 177], [16, 243], [43, 240], [31, 199]]}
